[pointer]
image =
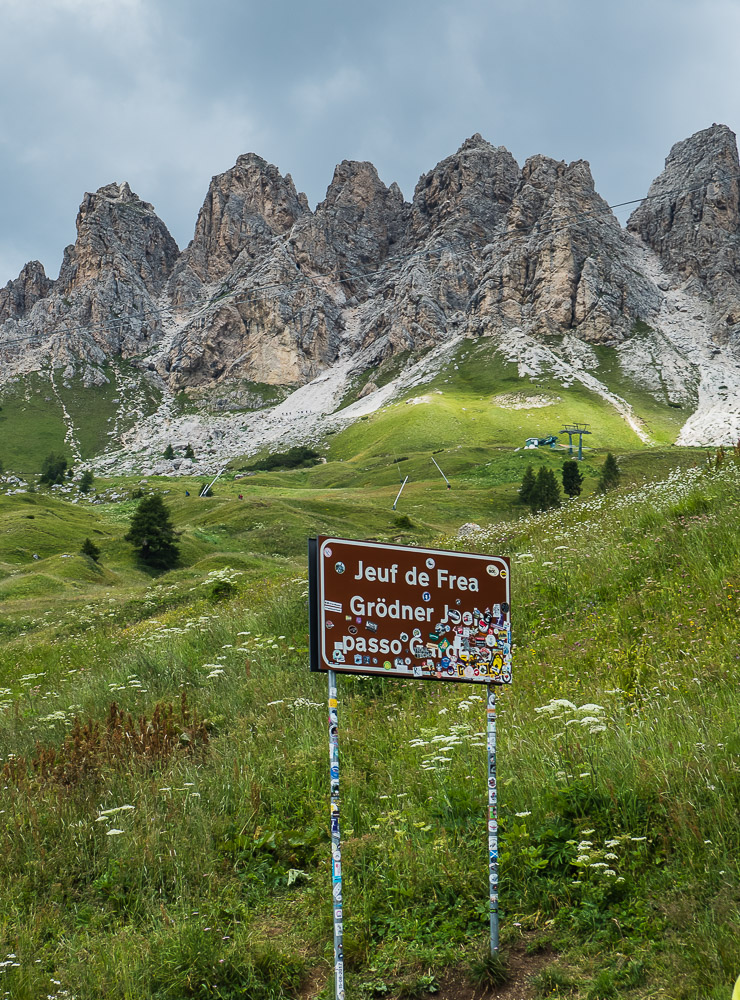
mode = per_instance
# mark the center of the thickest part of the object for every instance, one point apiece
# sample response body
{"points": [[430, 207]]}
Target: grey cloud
{"points": [[165, 93]]}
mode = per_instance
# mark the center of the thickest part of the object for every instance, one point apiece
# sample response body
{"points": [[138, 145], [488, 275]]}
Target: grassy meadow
{"points": [[164, 812]]}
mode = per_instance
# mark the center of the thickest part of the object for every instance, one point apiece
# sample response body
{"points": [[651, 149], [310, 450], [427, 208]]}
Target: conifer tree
{"points": [[572, 478], [89, 548], [527, 485], [86, 481], [189, 453], [546, 492], [153, 534], [610, 474], [169, 452], [53, 468]]}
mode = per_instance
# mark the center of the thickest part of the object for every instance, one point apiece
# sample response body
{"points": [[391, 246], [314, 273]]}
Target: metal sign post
{"points": [[492, 820], [402, 611], [336, 842]]}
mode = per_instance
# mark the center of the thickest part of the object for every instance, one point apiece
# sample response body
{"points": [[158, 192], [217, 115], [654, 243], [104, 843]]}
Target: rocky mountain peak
{"points": [[245, 208], [550, 175], [20, 295], [270, 292], [356, 187], [552, 190], [115, 194], [354, 226], [118, 234], [472, 189], [266, 192], [691, 216], [563, 264], [695, 198]]}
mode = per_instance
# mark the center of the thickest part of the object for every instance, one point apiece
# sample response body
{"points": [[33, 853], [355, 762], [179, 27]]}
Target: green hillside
{"points": [[475, 400], [182, 850], [38, 414]]}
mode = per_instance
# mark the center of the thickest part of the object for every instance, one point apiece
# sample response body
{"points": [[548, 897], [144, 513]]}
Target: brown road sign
{"points": [[408, 612]]}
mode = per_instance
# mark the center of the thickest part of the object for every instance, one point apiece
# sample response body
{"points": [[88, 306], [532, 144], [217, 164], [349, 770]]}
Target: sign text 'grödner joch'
{"points": [[409, 612]]}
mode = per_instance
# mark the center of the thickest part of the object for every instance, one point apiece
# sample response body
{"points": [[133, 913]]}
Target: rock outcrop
{"points": [[691, 219], [20, 295], [352, 230], [562, 264], [245, 209], [104, 302], [468, 194]]}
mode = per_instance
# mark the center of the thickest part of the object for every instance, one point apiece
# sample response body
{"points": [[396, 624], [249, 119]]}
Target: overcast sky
{"points": [[166, 93]]}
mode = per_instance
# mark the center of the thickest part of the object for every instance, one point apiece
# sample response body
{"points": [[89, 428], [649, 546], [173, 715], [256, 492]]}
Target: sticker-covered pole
{"points": [[336, 844], [492, 820]]}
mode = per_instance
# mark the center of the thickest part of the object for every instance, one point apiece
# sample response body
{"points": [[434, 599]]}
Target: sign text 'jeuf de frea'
{"points": [[411, 612]]}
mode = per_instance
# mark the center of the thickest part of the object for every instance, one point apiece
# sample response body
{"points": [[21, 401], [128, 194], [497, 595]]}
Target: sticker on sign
{"points": [[409, 612]]}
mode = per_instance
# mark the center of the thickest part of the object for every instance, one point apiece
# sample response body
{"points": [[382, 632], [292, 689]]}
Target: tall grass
{"points": [[204, 870]]}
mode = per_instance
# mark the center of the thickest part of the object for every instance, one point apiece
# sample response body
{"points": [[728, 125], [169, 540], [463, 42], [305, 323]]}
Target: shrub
{"points": [[222, 590], [91, 748], [294, 458]]}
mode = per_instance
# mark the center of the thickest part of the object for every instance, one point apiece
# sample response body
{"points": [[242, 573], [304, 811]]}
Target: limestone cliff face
{"points": [[120, 238], [424, 294], [270, 291], [353, 230], [257, 317], [691, 219], [20, 295], [245, 209], [469, 193], [104, 301], [563, 264]]}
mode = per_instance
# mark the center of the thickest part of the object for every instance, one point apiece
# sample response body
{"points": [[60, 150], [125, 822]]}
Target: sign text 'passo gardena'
{"points": [[409, 612]]}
